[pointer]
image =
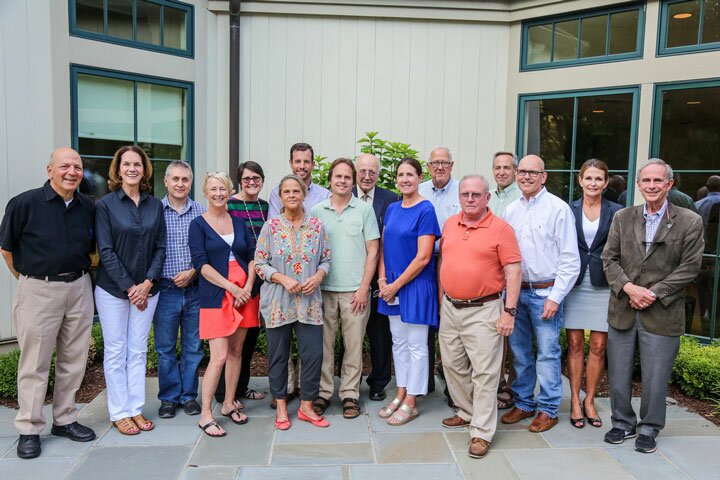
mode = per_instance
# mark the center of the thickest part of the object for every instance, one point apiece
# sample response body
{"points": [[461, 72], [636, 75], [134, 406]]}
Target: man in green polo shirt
{"points": [[354, 242]]}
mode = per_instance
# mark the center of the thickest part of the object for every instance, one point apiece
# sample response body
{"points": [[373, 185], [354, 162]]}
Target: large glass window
{"points": [[114, 109], [689, 25], [589, 37], [686, 135], [163, 25], [568, 128]]}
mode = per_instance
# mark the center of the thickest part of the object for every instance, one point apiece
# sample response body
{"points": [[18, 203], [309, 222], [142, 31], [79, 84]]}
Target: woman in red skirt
{"points": [[222, 251]]}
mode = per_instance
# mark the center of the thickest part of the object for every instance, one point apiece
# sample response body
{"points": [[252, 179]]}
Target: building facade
{"points": [[616, 80]]}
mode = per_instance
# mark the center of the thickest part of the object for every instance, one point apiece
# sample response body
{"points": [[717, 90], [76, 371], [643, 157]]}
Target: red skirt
{"points": [[224, 321]]}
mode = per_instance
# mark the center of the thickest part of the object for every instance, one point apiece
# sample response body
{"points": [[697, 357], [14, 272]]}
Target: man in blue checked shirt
{"points": [[178, 303]]}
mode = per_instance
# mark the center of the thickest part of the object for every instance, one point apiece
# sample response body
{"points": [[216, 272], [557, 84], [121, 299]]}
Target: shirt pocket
{"points": [[353, 229]]}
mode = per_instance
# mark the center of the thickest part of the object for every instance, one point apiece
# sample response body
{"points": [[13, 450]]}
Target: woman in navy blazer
{"points": [[223, 250], [586, 306]]}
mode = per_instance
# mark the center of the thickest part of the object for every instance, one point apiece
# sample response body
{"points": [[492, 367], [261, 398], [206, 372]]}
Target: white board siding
{"points": [[328, 80]]}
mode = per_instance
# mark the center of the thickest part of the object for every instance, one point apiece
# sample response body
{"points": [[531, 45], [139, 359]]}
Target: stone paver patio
{"points": [[364, 448]]}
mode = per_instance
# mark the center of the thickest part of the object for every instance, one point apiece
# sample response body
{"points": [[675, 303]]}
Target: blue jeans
{"points": [[530, 328], [178, 307]]}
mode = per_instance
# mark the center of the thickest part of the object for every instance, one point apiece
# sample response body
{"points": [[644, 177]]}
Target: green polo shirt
{"points": [[500, 200], [348, 232]]}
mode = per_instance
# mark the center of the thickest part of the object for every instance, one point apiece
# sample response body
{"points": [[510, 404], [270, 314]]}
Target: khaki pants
{"points": [[338, 311], [50, 315], [472, 350]]}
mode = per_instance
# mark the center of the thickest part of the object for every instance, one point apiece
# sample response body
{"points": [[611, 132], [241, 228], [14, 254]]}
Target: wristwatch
{"points": [[511, 311]]}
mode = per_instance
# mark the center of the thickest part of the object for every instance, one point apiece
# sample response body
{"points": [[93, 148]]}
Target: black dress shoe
{"points": [[28, 446], [167, 409], [191, 407], [377, 395], [74, 431]]}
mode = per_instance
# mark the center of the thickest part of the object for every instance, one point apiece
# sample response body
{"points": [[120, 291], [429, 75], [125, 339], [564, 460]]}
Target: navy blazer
{"points": [[590, 254], [207, 247], [383, 198]]}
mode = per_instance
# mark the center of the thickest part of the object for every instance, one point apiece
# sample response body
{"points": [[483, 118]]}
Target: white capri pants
{"points": [[410, 354], [125, 335]]}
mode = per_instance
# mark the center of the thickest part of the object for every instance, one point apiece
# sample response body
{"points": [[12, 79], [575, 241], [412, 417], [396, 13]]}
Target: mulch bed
{"points": [[94, 383]]}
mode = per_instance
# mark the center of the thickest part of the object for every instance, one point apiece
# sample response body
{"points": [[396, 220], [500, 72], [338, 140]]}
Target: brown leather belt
{"points": [[473, 302], [538, 285]]}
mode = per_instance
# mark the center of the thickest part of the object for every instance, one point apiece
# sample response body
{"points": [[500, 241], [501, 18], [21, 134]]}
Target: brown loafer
{"points": [[515, 415], [454, 422], [542, 423], [478, 447]]}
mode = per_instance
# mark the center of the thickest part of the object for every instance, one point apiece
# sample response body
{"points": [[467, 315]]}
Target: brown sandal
{"points": [[126, 426], [143, 423], [351, 408]]}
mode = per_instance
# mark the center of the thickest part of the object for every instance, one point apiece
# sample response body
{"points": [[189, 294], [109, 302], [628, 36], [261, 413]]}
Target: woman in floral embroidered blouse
{"points": [[292, 257]]}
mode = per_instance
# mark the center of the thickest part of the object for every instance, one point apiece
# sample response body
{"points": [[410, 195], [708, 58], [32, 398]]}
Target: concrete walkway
{"points": [[363, 448]]}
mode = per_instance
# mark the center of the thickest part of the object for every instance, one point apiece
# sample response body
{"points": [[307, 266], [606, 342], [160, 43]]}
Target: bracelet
{"points": [[384, 279]]}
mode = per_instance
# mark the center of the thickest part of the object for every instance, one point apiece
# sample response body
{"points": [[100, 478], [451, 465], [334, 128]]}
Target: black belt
{"points": [[63, 277], [473, 302]]}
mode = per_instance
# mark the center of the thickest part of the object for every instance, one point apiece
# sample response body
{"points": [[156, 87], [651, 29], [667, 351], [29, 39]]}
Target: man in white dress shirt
{"points": [[545, 229]]}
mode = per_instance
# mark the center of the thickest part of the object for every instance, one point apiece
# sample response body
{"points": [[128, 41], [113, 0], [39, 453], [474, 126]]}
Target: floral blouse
{"points": [[297, 254]]}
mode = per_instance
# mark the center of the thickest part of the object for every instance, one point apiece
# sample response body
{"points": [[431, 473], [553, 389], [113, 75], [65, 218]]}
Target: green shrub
{"points": [[8, 374], [697, 368], [97, 336]]}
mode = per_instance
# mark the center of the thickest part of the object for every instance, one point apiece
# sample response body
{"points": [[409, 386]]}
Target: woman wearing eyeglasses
{"points": [[253, 210], [408, 289], [222, 249], [586, 306]]}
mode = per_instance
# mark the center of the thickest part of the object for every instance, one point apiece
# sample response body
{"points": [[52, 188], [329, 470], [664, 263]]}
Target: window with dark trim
{"points": [[689, 26], [593, 36], [111, 109], [685, 134], [567, 128], [161, 25]]}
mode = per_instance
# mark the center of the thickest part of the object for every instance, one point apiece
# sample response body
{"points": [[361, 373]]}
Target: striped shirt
{"points": [[255, 213], [177, 252], [652, 222]]}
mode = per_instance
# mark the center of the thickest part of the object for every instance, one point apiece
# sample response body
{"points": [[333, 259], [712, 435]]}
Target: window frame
{"points": [[663, 50], [189, 10], [634, 90], [76, 70], [607, 58]]}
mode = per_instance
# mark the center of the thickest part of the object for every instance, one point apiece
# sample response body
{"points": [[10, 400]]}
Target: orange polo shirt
{"points": [[473, 257]]}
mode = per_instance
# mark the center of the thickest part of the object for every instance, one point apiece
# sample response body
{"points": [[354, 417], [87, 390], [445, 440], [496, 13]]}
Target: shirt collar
{"points": [[443, 189], [121, 194], [285, 221], [507, 190], [656, 215], [535, 198], [50, 193], [370, 194], [327, 203], [184, 210], [484, 222]]}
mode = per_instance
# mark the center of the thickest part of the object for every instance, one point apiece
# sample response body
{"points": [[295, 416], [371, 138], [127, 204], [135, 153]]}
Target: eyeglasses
{"points": [[472, 195], [444, 164], [367, 173], [248, 180], [529, 173]]}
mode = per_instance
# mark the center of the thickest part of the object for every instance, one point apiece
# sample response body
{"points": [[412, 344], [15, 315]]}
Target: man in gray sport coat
{"points": [[652, 253]]}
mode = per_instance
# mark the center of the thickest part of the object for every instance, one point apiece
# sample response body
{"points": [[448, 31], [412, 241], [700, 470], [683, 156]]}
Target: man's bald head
{"points": [[368, 168], [63, 153]]}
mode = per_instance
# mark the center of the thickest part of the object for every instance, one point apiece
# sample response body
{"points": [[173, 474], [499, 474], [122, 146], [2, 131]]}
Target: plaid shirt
{"points": [[652, 222], [177, 252]]}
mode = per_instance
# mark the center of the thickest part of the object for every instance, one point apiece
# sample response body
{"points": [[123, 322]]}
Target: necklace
{"points": [[247, 213]]}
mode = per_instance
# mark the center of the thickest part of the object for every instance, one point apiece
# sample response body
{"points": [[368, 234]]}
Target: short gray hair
{"points": [[179, 164], [656, 161], [440, 147], [516, 161], [476, 176]]}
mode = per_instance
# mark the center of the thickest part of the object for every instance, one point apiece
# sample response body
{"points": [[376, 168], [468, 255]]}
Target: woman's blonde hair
{"points": [[115, 181], [223, 177]]}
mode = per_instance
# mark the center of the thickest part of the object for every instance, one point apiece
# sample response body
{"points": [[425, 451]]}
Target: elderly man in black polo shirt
{"points": [[46, 237]]}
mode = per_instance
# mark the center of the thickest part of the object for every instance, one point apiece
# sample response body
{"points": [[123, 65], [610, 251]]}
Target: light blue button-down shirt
{"points": [[446, 201]]}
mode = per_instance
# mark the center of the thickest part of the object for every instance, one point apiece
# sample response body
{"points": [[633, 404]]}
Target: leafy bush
{"points": [[8, 374], [389, 153], [697, 368], [97, 336]]}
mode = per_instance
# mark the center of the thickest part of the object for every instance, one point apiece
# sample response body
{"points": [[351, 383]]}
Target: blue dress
{"points": [[403, 226]]}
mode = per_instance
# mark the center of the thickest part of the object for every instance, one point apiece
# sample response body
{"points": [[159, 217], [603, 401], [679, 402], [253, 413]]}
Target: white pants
{"points": [[125, 335], [410, 354]]}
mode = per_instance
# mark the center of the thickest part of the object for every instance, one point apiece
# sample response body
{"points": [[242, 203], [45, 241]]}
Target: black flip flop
{"points": [[239, 413], [213, 423]]}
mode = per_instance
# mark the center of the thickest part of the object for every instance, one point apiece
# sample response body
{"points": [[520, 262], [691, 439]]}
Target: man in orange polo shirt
{"points": [[479, 258]]}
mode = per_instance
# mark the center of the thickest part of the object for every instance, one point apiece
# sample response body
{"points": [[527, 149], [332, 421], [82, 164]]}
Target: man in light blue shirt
{"points": [[504, 169], [302, 162], [443, 192], [354, 240]]}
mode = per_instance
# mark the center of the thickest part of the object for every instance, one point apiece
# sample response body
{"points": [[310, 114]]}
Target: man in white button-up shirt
{"points": [[545, 229]]}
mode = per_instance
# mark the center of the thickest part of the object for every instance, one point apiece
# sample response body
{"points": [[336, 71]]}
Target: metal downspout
{"points": [[234, 111]]}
